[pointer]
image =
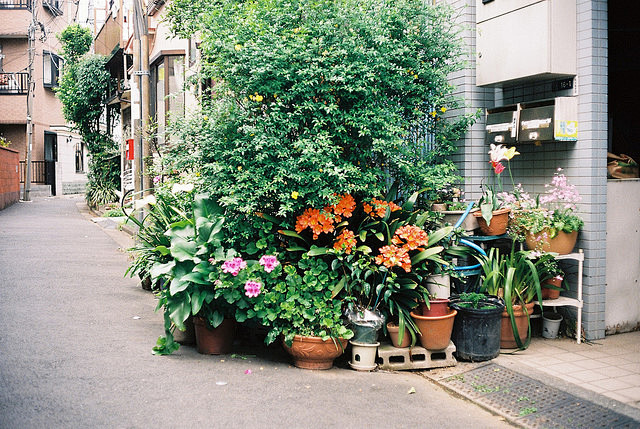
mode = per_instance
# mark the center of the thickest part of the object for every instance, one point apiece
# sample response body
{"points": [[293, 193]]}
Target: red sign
{"points": [[130, 149]]}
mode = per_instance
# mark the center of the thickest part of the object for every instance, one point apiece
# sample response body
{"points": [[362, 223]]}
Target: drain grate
{"points": [[531, 403]]}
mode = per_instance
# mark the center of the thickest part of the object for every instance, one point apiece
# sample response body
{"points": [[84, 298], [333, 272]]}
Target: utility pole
{"points": [[142, 151], [30, 87]]}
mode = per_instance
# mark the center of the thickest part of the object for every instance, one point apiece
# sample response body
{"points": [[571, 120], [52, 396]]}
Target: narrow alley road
{"points": [[76, 339]]}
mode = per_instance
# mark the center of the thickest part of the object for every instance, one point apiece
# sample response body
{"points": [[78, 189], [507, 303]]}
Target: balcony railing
{"points": [[16, 4], [38, 169], [13, 83]]}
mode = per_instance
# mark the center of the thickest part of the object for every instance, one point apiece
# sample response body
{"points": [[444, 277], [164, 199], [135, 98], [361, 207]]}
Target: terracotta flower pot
{"points": [[437, 307], [214, 341], [435, 332], [563, 243], [498, 224], [394, 333], [313, 352], [551, 293], [507, 338]]}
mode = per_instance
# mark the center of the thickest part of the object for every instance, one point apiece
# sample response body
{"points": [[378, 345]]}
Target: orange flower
{"points": [[410, 237], [379, 207], [393, 256], [346, 241], [345, 206], [315, 220]]}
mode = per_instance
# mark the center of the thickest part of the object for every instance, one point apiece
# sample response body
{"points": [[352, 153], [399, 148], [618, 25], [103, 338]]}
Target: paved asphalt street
{"points": [[76, 339]]}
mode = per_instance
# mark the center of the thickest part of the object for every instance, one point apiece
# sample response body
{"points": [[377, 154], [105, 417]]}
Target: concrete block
{"points": [[392, 358]]}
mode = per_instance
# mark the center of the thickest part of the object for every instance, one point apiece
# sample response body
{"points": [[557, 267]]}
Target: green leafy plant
{"points": [[318, 97], [83, 90], [99, 193], [303, 303], [379, 250], [474, 300], [195, 243], [513, 276], [548, 213]]}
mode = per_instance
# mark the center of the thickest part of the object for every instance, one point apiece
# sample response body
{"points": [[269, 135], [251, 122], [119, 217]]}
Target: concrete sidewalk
{"points": [[76, 339]]}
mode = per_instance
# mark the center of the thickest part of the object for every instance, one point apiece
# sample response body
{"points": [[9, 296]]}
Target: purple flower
{"points": [[269, 262], [234, 266], [252, 288]]}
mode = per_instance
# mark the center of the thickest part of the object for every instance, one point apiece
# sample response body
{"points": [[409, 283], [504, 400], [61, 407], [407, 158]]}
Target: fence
{"points": [[13, 83], [15, 4], [38, 172]]}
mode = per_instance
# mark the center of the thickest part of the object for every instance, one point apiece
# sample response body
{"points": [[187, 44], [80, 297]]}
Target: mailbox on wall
{"points": [[502, 125], [549, 120]]}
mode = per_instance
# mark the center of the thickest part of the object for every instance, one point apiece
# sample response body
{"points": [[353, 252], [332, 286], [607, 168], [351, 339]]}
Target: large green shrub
{"points": [[317, 97], [83, 90]]}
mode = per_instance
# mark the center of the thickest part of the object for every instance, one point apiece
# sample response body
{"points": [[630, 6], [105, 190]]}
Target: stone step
{"points": [[393, 358], [36, 191]]}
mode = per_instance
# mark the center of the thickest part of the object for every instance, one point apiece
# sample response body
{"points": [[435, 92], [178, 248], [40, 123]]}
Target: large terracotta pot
{"points": [[394, 333], [313, 352], [214, 341], [435, 332], [498, 224], [507, 338], [563, 243], [551, 293], [437, 307]]}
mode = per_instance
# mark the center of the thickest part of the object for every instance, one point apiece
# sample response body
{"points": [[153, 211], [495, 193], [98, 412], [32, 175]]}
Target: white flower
{"points": [[179, 187], [498, 153], [143, 202]]}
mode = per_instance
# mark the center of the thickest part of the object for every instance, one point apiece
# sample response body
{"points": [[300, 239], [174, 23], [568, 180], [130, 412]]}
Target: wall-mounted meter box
{"points": [[525, 40], [502, 125], [549, 120]]}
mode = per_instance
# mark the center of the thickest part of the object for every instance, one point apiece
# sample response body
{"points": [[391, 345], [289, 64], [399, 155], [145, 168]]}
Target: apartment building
{"points": [[573, 59], [171, 61], [59, 158]]}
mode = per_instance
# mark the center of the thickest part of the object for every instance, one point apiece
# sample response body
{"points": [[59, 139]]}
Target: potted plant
{"points": [[551, 276], [477, 326], [192, 282], [493, 216], [513, 277], [550, 223], [380, 248], [300, 308]]}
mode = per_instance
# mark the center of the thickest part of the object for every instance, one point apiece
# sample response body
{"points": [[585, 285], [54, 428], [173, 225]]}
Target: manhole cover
{"points": [[531, 403]]}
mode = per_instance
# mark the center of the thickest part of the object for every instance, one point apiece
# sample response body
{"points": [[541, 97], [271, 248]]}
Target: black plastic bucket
{"points": [[476, 332]]}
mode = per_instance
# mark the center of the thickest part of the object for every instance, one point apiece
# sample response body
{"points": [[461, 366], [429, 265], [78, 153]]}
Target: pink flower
{"points": [[252, 288], [233, 266], [269, 262], [156, 180]]}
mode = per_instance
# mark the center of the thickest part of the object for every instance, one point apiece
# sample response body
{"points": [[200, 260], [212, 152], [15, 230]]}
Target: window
{"points": [[53, 6], [79, 158], [52, 65], [167, 83]]}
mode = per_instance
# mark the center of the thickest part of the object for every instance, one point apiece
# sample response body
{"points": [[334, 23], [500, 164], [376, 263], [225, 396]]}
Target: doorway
{"points": [[50, 158]]}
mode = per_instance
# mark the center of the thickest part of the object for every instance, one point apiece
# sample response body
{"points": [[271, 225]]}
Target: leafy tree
{"points": [[83, 90], [314, 98], [76, 41]]}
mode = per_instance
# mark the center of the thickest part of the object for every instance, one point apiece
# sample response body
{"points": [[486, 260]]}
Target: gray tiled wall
{"points": [[584, 161]]}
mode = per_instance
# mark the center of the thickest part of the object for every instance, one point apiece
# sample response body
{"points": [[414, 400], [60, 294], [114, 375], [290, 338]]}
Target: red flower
{"points": [[497, 167]]}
